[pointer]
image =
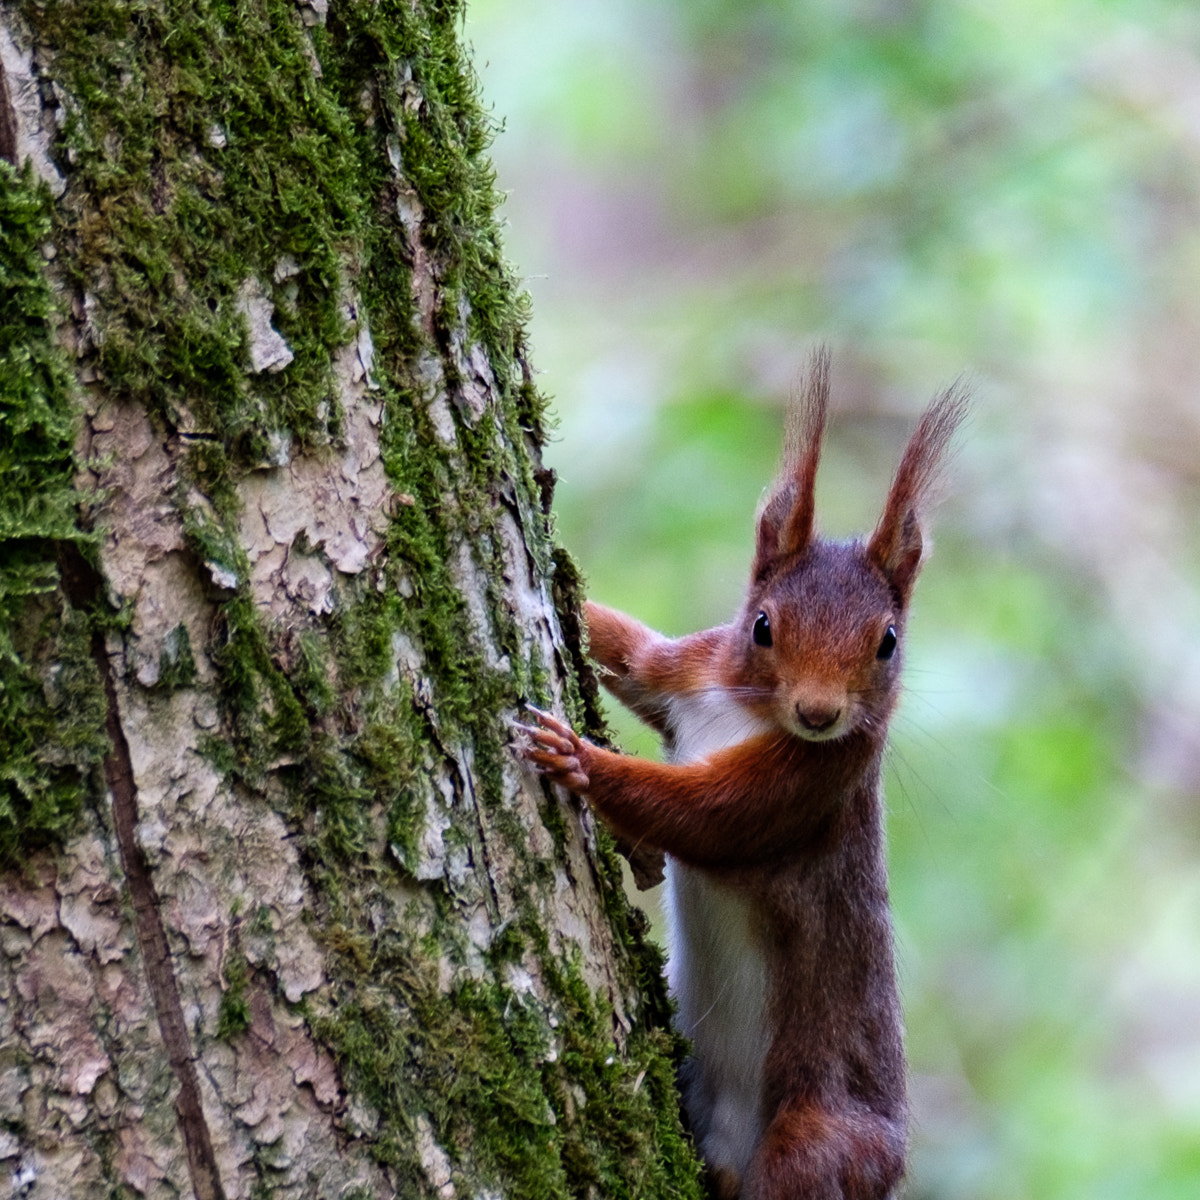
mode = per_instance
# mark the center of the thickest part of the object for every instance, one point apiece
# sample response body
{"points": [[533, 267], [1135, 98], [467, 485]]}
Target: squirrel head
{"points": [[818, 645]]}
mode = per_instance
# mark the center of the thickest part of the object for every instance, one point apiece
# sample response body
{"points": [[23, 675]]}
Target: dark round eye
{"points": [[887, 647], [762, 630]]}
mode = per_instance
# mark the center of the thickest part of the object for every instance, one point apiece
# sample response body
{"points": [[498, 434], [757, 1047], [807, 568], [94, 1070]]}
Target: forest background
{"points": [[700, 190]]}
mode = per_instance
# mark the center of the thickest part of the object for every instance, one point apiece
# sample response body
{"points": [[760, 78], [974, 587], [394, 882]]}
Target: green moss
{"points": [[313, 674], [537, 1096], [52, 714], [51, 702], [37, 420], [261, 925], [264, 711], [332, 788], [181, 193], [233, 1014], [176, 664]]}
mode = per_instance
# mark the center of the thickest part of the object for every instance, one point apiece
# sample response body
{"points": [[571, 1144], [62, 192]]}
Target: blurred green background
{"points": [[700, 190]]}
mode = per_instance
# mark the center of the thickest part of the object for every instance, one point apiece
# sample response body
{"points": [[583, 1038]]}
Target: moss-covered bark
{"points": [[280, 912]]}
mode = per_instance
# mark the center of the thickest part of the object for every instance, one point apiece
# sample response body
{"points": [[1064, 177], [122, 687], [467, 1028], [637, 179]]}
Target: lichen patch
{"points": [[320, 506], [435, 1162], [266, 345], [35, 121]]}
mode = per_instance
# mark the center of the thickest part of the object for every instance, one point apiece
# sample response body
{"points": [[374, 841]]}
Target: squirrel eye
{"points": [[887, 647], [762, 630]]}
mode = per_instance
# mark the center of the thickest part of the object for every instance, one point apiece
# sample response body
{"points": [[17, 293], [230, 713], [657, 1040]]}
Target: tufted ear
{"points": [[898, 543], [785, 522]]}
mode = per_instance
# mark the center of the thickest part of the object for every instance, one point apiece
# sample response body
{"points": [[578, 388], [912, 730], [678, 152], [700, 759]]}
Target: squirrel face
{"points": [[816, 649]]}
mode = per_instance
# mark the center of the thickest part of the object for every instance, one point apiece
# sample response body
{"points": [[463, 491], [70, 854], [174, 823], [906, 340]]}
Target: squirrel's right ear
{"points": [[785, 523], [898, 544]]}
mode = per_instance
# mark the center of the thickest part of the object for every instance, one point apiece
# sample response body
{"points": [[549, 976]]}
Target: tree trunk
{"points": [[280, 913]]}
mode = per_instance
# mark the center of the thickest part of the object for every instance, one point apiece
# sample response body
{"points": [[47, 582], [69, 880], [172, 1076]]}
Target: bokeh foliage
{"points": [[700, 190]]}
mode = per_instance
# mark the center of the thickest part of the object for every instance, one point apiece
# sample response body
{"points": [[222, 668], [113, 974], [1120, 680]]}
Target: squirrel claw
{"points": [[548, 721], [554, 750]]}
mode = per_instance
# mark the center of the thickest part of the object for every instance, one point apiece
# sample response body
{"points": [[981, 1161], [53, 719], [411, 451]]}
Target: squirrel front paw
{"points": [[555, 750]]}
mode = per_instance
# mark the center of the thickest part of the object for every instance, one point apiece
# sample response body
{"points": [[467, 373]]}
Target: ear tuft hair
{"points": [[786, 520], [898, 543]]}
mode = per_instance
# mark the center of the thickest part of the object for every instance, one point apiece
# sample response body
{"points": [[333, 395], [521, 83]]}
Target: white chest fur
{"points": [[716, 969]]}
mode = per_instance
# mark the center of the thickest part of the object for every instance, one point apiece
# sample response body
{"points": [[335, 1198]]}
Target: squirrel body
{"points": [[769, 809]]}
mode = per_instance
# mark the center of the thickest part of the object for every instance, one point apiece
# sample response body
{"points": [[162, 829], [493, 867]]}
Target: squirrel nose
{"points": [[817, 720]]}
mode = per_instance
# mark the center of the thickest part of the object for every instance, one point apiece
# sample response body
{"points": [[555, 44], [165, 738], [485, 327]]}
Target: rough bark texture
{"points": [[280, 914]]}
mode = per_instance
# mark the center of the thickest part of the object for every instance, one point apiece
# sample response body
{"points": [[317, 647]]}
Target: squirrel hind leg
{"points": [[816, 1154]]}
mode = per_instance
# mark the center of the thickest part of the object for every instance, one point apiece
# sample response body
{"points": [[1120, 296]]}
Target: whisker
{"points": [[716, 1000]]}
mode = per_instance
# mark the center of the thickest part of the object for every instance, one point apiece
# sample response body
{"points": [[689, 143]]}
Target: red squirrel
{"points": [[770, 811]]}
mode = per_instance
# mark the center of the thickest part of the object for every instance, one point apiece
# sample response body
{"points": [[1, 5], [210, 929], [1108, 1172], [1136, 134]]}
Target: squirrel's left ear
{"points": [[786, 520], [897, 545]]}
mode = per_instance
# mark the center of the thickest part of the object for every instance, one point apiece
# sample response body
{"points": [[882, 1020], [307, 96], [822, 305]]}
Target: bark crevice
{"points": [[83, 588], [8, 122]]}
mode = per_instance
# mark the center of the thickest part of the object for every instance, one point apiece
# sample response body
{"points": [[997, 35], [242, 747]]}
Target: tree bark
{"points": [[280, 913]]}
